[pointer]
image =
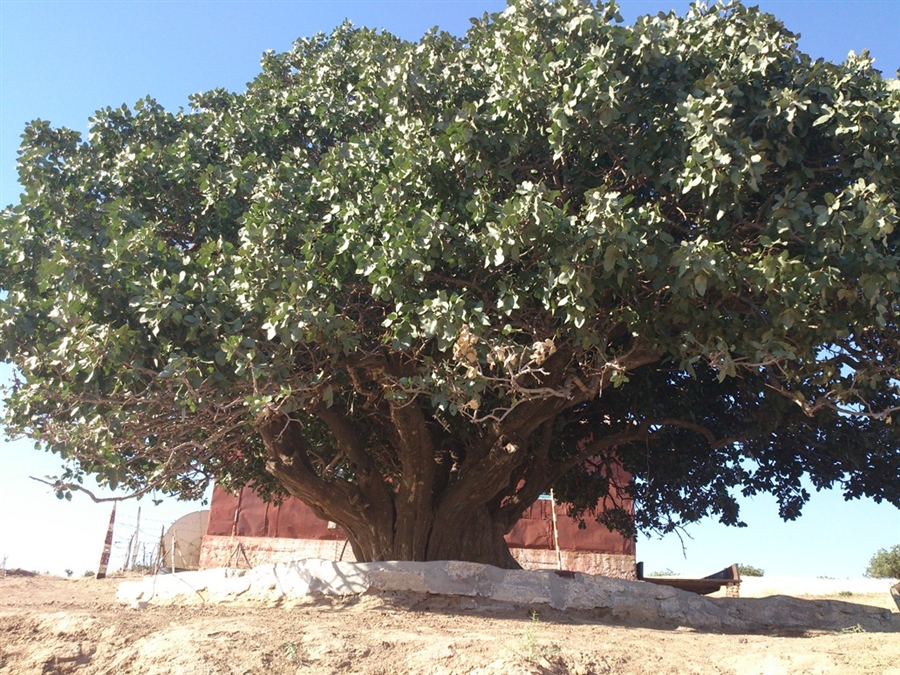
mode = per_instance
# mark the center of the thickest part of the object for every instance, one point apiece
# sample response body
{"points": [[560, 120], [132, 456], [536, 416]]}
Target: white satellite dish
{"points": [[181, 542]]}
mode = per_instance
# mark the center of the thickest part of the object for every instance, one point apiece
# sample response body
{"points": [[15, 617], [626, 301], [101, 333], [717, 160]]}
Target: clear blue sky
{"points": [[60, 61]]}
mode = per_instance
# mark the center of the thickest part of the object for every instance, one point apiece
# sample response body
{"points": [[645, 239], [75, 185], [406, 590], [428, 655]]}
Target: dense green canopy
{"points": [[417, 284]]}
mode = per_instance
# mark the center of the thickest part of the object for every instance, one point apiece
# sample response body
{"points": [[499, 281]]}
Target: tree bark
{"points": [[398, 524], [479, 538]]}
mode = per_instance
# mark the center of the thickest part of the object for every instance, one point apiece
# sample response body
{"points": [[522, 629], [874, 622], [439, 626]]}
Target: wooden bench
{"points": [[730, 578]]}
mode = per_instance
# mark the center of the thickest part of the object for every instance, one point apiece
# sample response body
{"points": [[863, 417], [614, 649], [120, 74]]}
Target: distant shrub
{"points": [[141, 568], [88, 573], [750, 571], [663, 573], [885, 564], [69, 573]]}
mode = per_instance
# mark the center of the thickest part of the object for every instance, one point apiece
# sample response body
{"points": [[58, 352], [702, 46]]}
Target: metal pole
{"points": [[128, 553], [555, 531], [237, 510], [137, 535]]}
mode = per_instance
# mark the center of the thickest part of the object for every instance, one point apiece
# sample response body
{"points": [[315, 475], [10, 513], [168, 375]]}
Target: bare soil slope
{"points": [[54, 625]]}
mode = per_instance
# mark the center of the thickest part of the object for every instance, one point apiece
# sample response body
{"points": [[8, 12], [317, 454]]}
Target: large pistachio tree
{"points": [[416, 284]]}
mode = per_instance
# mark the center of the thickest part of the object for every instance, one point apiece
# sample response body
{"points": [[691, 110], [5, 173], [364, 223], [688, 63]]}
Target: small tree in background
{"points": [[885, 564], [416, 284], [750, 571]]}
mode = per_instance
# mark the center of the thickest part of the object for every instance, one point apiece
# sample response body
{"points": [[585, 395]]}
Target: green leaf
{"points": [[700, 282]]}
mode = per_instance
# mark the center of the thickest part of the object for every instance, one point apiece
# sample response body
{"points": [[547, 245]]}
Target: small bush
{"points": [[885, 564], [663, 573], [69, 573], [532, 648], [750, 571], [141, 568]]}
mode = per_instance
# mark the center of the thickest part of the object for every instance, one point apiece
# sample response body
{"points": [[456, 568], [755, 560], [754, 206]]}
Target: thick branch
{"points": [[289, 462], [415, 495], [531, 490], [370, 481]]}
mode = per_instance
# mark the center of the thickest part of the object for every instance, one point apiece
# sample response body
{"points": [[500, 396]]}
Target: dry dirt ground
{"points": [[55, 625]]}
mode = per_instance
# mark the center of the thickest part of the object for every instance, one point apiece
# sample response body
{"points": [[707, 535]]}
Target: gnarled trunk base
{"points": [[477, 539], [383, 524]]}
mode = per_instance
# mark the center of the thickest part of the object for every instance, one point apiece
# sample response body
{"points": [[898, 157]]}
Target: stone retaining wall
{"points": [[614, 600]]}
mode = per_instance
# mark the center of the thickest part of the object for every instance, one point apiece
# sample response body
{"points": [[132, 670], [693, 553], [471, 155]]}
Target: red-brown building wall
{"points": [[268, 533]]}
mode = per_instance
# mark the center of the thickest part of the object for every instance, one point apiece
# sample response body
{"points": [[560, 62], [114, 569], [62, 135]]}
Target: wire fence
{"points": [[139, 542]]}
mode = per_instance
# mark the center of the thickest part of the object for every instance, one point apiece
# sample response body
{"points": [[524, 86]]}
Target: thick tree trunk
{"points": [[391, 524], [478, 539]]}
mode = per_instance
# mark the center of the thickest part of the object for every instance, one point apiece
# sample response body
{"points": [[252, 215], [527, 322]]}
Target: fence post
{"points": [[137, 536], [107, 546]]}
